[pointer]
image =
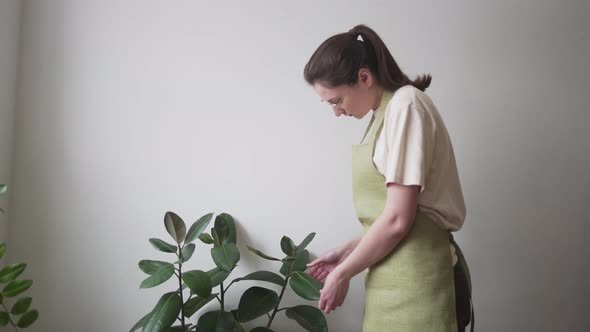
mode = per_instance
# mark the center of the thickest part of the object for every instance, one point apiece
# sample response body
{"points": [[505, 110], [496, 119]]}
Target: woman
{"points": [[406, 189]]}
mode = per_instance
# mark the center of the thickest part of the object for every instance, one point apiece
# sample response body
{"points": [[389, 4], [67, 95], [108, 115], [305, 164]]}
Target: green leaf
{"points": [[216, 321], [255, 302], [198, 281], [27, 319], [310, 318], [175, 226], [140, 323], [261, 254], [187, 252], [206, 238], [16, 287], [178, 328], [306, 241], [21, 306], [239, 327], [216, 241], [4, 318], [305, 286], [299, 264], [261, 329], [226, 256], [226, 228], [288, 246], [10, 272], [193, 305], [264, 276], [3, 189], [2, 249], [217, 276], [161, 276], [164, 313], [163, 246], [150, 267], [197, 228]]}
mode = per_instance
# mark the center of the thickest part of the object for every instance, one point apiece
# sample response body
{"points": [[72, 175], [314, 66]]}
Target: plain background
{"points": [[119, 111]]}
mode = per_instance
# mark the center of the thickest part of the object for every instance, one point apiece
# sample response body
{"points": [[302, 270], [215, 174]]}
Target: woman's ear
{"points": [[366, 77]]}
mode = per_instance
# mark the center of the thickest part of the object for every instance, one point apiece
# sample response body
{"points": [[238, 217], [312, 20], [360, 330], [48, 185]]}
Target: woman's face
{"points": [[351, 100]]}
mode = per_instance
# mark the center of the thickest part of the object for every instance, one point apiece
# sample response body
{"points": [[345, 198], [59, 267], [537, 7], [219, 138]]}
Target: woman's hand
{"points": [[334, 291], [326, 263]]}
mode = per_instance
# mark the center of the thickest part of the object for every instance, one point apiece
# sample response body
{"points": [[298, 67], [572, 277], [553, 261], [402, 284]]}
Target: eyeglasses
{"points": [[338, 103]]}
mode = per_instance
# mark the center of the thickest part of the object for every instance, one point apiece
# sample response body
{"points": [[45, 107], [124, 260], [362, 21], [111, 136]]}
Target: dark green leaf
{"points": [[4, 318], [216, 241], [306, 241], [140, 323], [150, 267], [239, 327], [226, 228], [27, 319], [175, 226], [288, 246], [178, 328], [310, 318], [193, 305], [216, 321], [197, 228], [264, 276], [187, 252], [255, 302], [225, 256], [261, 329], [159, 277], [21, 306], [16, 287], [299, 264], [2, 249], [261, 254], [164, 313], [162, 246], [206, 238], [305, 286], [198, 281], [10, 272], [217, 276]]}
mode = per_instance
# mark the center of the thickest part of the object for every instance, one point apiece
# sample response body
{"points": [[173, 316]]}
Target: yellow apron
{"points": [[412, 288]]}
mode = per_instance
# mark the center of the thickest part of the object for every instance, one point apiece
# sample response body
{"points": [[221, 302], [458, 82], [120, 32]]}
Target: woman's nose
{"points": [[337, 111]]}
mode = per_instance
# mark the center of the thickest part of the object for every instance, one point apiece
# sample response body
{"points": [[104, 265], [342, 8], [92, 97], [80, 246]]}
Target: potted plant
{"points": [[196, 288]]}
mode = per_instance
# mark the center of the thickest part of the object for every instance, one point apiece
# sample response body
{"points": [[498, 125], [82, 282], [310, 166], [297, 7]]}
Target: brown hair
{"points": [[339, 58]]}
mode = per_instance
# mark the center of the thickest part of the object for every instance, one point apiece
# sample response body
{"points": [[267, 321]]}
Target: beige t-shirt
{"points": [[414, 148]]}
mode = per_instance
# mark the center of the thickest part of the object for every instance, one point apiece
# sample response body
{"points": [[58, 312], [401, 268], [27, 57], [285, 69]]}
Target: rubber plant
{"points": [[20, 315], [254, 302]]}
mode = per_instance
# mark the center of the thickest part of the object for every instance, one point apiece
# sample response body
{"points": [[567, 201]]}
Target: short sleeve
{"points": [[408, 135]]}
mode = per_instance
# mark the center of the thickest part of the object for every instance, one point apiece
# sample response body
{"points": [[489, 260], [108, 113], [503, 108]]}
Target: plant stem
{"points": [[274, 312], [222, 296], [9, 318], [180, 287]]}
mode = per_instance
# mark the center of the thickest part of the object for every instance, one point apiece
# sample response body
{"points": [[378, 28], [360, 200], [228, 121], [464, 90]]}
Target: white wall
{"points": [[9, 41], [128, 109]]}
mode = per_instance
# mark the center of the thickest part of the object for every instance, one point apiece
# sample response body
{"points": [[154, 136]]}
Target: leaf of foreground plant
{"points": [[198, 281], [225, 256], [159, 277], [255, 302], [216, 321], [263, 276], [305, 286], [310, 318], [197, 228], [193, 305], [164, 313]]}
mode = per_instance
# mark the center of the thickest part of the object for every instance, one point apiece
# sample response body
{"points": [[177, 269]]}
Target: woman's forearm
{"points": [[349, 246]]}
